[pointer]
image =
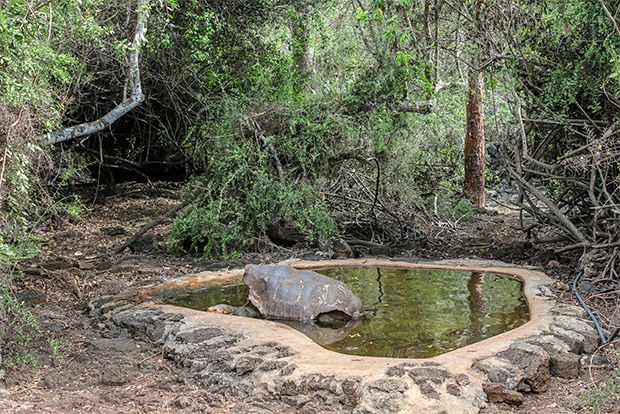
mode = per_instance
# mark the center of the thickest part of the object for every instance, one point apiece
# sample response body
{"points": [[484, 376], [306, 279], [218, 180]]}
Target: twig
{"points": [[552, 207], [169, 214], [611, 17]]}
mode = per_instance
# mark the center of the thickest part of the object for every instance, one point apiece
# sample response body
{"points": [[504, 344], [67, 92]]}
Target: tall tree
{"points": [[300, 28], [473, 185]]}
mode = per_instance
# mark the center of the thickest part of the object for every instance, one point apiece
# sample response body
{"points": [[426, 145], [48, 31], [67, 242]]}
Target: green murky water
{"points": [[407, 313]]}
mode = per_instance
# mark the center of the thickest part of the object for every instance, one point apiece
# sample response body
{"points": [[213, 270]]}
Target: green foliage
{"points": [[603, 397], [572, 56], [36, 63], [21, 327], [55, 346], [74, 208], [464, 209]]}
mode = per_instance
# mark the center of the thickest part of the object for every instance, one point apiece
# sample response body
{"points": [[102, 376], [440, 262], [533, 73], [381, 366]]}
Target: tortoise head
{"points": [[221, 308]]}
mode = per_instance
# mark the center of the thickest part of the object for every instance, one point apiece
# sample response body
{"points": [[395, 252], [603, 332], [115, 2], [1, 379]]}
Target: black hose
{"points": [[597, 325]]}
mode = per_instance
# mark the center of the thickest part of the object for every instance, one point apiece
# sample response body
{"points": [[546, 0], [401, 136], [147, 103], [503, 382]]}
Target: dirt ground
{"points": [[100, 369]]}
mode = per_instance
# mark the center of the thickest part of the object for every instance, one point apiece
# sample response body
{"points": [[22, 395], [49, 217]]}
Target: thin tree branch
{"points": [[611, 17], [133, 79]]}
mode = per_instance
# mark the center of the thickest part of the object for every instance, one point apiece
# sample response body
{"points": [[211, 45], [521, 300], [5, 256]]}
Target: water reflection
{"points": [[408, 313]]}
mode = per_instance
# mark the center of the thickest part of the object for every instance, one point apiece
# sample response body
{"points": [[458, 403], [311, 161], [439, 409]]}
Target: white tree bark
{"points": [[133, 80]]}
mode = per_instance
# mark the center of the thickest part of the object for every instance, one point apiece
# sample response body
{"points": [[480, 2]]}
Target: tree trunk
{"points": [[302, 49], [474, 139]]}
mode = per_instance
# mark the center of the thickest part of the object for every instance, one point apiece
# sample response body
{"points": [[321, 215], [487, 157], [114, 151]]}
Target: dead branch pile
{"points": [[570, 182], [360, 203]]}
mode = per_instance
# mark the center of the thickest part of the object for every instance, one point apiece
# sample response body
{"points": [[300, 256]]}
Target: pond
{"points": [[412, 313]]}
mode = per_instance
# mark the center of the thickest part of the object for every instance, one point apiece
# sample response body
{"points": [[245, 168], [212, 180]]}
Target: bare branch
{"points": [[133, 79], [611, 17]]}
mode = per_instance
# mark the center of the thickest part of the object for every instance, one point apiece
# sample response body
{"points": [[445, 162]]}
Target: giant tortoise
{"points": [[283, 292]]}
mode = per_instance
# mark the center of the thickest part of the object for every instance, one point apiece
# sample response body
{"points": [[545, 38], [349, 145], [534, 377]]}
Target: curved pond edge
{"points": [[499, 368]]}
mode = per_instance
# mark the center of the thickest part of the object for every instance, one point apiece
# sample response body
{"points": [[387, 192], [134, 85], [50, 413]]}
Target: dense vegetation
{"points": [[334, 117]]}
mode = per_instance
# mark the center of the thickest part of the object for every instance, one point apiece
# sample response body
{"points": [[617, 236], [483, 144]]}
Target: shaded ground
{"points": [[100, 369]]}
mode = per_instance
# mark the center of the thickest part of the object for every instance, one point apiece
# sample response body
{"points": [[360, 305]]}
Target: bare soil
{"points": [[100, 369]]}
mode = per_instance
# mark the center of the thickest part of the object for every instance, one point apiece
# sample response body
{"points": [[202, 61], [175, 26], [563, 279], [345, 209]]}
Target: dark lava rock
{"points": [[463, 379], [594, 361], [144, 244], [497, 393], [120, 345], [565, 365], [429, 374], [453, 389], [57, 265], [271, 365], [386, 395], [428, 391], [246, 364], [534, 361], [149, 323], [114, 231], [31, 297], [287, 370]]}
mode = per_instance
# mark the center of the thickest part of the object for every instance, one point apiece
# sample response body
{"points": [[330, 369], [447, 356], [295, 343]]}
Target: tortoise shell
{"points": [[283, 292]]}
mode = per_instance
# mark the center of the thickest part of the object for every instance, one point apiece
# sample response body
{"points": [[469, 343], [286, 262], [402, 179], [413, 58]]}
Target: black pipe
{"points": [[584, 305]]}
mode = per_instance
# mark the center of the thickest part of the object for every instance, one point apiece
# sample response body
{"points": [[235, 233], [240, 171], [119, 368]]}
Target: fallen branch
{"points": [[133, 80], [169, 214]]}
